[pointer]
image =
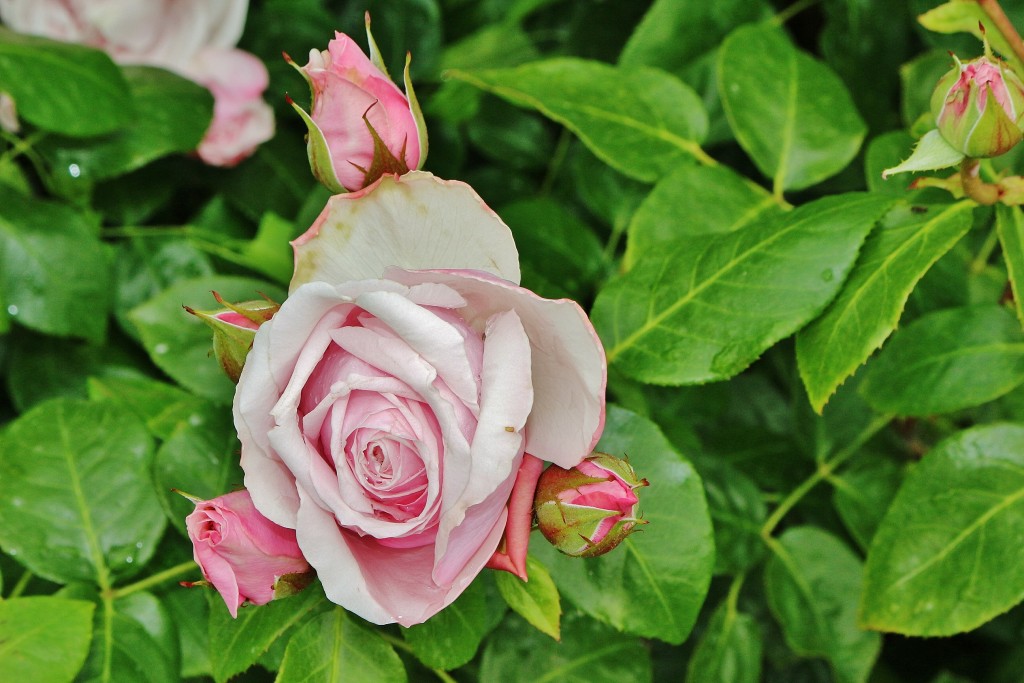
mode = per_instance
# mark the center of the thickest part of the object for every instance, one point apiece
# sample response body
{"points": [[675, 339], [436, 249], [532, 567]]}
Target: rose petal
{"points": [[415, 221], [474, 495], [569, 368], [441, 344]]}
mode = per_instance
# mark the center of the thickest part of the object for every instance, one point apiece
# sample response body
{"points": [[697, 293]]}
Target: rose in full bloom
{"points": [[360, 125], [589, 509], [242, 553], [979, 107], [193, 38], [386, 409]]}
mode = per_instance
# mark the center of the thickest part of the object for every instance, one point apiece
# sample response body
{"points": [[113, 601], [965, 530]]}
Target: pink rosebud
{"points": [[589, 509], [244, 555], [234, 328], [360, 125], [979, 107]]}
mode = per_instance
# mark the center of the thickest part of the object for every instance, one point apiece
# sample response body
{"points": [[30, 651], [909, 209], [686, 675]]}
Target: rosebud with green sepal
{"points": [[979, 107], [589, 509], [234, 328], [360, 125]]}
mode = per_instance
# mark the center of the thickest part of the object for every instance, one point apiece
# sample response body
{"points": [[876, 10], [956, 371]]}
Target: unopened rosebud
{"points": [[360, 125], [979, 107], [589, 509], [244, 555], [234, 328]]}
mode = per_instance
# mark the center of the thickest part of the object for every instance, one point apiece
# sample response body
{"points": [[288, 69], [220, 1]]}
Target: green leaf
{"points": [[655, 581], [535, 600], [76, 502], [553, 242], [268, 253], [173, 115], [1010, 226], [588, 653], [813, 582], [930, 153], [190, 612], [947, 556], [62, 87], [149, 612], [947, 361], [673, 34], [451, 637], [236, 644], [124, 650], [706, 307], [36, 237], [180, 344], [199, 457], [864, 492], [712, 200], [145, 267], [161, 406], [43, 367], [865, 313], [790, 113], [641, 121], [969, 17], [737, 512], [333, 647], [729, 650], [44, 639]]}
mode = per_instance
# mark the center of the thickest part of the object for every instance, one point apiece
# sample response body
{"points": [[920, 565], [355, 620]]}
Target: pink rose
{"points": [[164, 33], [193, 38], [385, 410], [241, 552], [346, 86], [241, 119]]}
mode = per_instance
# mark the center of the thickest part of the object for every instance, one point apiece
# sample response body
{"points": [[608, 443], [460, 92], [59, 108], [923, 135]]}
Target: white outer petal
{"points": [[415, 221]]}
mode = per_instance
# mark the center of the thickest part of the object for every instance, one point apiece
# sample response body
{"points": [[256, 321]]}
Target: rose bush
{"points": [[193, 38], [355, 100], [385, 410], [241, 552]]}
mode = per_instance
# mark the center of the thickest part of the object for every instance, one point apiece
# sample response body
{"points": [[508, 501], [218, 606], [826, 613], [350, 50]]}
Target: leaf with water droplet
{"points": [[87, 496]]}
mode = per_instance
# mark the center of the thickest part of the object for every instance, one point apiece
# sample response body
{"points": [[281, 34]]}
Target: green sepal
{"points": [[287, 585], [375, 57], [319, 153], [417, 112], [384, 162], [931, 152]]}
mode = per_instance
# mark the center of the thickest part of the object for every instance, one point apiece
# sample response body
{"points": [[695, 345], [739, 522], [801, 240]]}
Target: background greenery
{"points": [[705, 178]]}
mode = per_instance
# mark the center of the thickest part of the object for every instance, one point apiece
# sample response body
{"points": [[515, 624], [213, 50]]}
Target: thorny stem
{"points": [[824, 471], [1004, 25]]}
